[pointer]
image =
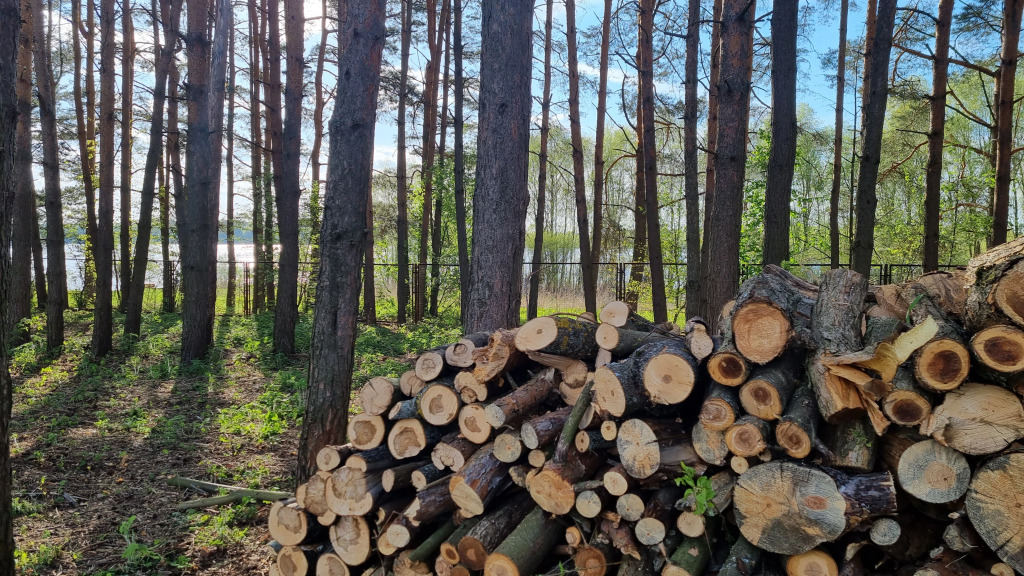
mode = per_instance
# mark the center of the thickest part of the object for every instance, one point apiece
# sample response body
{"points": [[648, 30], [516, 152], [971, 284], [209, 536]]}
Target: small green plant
{"points": [[136, 553], [699, 488]]}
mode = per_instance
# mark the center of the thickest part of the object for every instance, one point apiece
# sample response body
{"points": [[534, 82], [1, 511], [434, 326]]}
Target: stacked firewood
{"points": [[825, 428]]}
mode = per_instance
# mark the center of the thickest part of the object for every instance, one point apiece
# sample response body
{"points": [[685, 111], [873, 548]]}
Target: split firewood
{"points": [[788, 508], [460, 354], [977, 419]]}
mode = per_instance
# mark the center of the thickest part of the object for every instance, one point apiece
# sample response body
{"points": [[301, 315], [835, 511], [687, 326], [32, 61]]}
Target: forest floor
{"points": [[94, 442]]}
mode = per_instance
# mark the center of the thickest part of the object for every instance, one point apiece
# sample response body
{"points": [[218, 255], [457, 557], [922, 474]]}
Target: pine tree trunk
{"points": [[578, 176], [403, 179], [711, 177], [369, 287], [207, 71], [315, 161], [602, 99], [56, 274], [876, 88], [37, 263], [782, 156], [102, 328], [636, 270], [435, 233], [21, 226], [256, 158], [542, 172], [229, 170], [1004, 117], [837, 141], [461, 230], [170, 16], [288, 187], [936, 137], [690, 184], [723, 237], [85, 127], [125, 183], [650, 157], [173, 182], [501, 196], [361, 37]]}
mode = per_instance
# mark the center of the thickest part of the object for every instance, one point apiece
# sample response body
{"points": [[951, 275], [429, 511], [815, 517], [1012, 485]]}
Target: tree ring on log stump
{"points": [[760, 331], [638, 448], [942, 365], [728, 368], [407, 438], [933, 473], [785, 508], [906, 407], [439, 405], [669, 379], [793, 439], [608, 392], [350, 536], [1009, 296], [1000, 348], [366, 431], [995, 507]]}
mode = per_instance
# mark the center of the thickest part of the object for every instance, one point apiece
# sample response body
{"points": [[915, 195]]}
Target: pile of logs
{"points": [[825, 428]]}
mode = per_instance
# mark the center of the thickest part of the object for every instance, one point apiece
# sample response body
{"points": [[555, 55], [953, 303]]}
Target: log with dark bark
{"points": [[622, 342], [727, 366], [853, 444], [369, 461], [400, 477], [452, 451], [620, 315], [541, 431], [513, 407], [426, 475], [667, 370], [744, 558], [693, 554], [479, 482], [560, 335], [710, 445], [907, 404], [977, 419], [993, 505], [553, 487], [999, 355], [476, 544], [797, 429], [943, 363], [721, 408], [748, 436], [766, 394], [449, 549], [431, 503], [995, 279], [769, 315], [522, 552], [788, 508], [460, 354]]}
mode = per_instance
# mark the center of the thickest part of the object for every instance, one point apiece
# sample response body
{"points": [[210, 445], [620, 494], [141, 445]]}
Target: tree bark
{"points": [[461, 230], [501, 197], [102, 324], [56, 275], [690, 184], [542, 172], [434, 42], [170, 12], [229, 170], [782, 156], [435, 233], [286, 313], [636, 270], [85, 123], [361, 38], [936, 137], [876, 91], [125, 182], [837, 141], [578, 175], [650, 157], [1004, 117], [723, 238], [9, 22], [37, 263], [602, 99], [207, 70], [711, 177], [173, 182], [24, 192], [256, 158]]}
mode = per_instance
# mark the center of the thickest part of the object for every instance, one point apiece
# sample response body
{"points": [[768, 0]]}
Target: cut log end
{"points": [[630, 507], [885, 532], [288, 523], [995, 508], [793, 439], [429, 365], [761, 331], [292, 561], [366, 431], [350, 537], [942, 365], [508, 447], [690, 524], [615, 314], [1009, 295], [552, 493], [473, 423], [377, 395], [669, 379], [813, 563], [537, 334], [906, 407], [650, 531], [728, 368], [761, 399], [748, 437], [439, 405], [609, 430], [607, 336], [407, 438], [330, 564], [1001, 348], [591, 561], [609, 393], [589, 504]]}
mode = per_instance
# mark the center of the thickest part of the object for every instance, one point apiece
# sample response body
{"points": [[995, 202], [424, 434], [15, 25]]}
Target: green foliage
{"points": [[699, 488]]}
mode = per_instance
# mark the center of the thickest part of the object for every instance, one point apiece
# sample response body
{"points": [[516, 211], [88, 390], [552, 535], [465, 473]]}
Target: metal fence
{"points": [[435, 290]]}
